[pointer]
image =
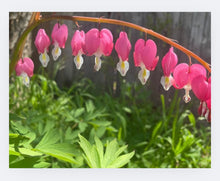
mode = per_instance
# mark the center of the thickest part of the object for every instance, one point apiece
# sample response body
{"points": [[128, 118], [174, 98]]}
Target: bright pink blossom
{"points": [[59, 36], [145, 57], [123, 47], [183, 75], [25, 68], [77, 44], [201, 87], [169, 62], [42, 43], [98, 43]]}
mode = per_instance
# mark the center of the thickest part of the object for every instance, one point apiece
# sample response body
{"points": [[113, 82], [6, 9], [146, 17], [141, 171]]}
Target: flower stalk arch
{"points": [[38, 19], [100, 42]]}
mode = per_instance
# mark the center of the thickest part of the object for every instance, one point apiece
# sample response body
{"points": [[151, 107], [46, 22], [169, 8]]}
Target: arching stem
{"points": [[15, 57]]}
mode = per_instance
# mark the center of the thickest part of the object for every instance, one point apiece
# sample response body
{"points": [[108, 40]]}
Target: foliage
{"points": [[79, 127]]}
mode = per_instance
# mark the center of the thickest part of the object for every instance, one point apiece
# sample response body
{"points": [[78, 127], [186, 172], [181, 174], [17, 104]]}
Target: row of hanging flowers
{"points": [[100, 42]]}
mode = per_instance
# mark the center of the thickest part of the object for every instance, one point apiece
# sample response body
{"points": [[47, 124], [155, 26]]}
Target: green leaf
{"points": [[82, 126], [90, 106], [50, 137], [110, 151], [79, 112], [121, 160], [99, 148], [29, 152], [57, 151], [42, 165]]}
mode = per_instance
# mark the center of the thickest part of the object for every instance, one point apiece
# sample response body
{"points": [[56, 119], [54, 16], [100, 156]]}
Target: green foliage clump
{"points": [[79, 127]]}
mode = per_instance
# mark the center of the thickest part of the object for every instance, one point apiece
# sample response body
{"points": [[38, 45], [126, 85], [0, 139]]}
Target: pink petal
{"points": [[123, 46], [106, 42], [169, 62], [59, 34], [180, 75], [42, 41], [78, 41], [201, 88], [137, 52], [148, 54], [208, 103], [91, 41], [195, 70], [26, 66]]}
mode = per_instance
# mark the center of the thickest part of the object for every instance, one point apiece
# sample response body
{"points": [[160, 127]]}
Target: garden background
{"points": [[161, 129]]}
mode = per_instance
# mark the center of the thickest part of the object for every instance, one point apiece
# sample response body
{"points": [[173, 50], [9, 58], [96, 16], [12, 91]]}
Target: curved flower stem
{"points": [[15, 57]]}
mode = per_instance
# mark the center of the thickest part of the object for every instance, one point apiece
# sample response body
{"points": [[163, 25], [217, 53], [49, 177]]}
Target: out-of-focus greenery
{"points": [[79, 127]]}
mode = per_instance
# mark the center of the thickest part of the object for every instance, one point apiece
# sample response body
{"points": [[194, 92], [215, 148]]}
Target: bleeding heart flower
{"points": [[169, 62], [183, 75], [123, 47], [98, 43], [59, 36], [202, 89], [25, 68], [145, 57], [42, 42], [77, 43]]}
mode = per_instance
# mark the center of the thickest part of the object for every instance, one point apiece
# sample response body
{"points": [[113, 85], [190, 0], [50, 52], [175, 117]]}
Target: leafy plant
{"points": [[111, 158]]}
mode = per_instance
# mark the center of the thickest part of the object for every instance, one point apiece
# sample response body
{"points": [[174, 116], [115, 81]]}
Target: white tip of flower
{"points": [[78, 60], [122, 67], [187, 97], [98, 63], [44, 59], [166, 82], [143, 75], [56, 52], [26, 79]]}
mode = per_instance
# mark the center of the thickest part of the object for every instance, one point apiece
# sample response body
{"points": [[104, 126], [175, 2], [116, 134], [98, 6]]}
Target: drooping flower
{"points": [[59, 36], [169, 62], [25, 68], [98, 43], [145, 57], [77, 43], [201, 87], [123, 47], [42, 42], [183, 75]]}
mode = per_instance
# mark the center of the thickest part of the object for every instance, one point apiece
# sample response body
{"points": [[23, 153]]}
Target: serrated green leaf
{"points": [[49, 138], [121, 160], [110, 151], [79, 112], [99, 147]]}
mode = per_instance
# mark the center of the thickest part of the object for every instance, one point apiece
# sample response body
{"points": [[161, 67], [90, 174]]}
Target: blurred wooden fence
{"points": [[191, 29]]}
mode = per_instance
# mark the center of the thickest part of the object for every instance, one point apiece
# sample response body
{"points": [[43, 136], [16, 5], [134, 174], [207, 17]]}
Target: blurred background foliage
{"points": [[151, 127]]}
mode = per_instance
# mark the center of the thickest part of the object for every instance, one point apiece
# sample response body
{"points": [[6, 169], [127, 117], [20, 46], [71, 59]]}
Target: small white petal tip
{"points": [[78, 60]]}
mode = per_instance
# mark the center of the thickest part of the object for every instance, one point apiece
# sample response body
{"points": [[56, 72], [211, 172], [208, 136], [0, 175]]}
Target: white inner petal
{"points": [[26, 79], [78, 60], [122, 67], [143, 75], [98, 63], [187, 97], [44, 59], [56, 52], [166, 82]]}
